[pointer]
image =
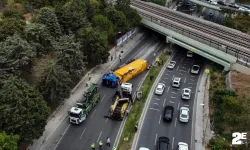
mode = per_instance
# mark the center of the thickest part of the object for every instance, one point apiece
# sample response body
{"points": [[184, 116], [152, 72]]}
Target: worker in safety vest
{"points": [[114, 148], [100, 145], [93, 146]]}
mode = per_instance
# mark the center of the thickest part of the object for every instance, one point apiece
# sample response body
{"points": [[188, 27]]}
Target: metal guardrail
{"points": [[232, 50]]}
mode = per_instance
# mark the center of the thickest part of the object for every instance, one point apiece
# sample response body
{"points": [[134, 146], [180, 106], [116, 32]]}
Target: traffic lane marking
{"points": [[156, 138], [99, 137], [171, 102], [164, 102], [93, 114], [82, 133], [159, 120], [173, 143], [62, 136], [102, 98], [154, 109]]}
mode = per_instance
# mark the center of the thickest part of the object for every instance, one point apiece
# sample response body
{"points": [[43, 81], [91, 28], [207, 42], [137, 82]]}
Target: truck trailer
{"points": [[124, 73]]}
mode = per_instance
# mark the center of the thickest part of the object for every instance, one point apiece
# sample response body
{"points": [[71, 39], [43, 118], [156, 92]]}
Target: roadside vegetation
{"points": [[159, 2], [229, 112], [137, 108], [45, 48]]}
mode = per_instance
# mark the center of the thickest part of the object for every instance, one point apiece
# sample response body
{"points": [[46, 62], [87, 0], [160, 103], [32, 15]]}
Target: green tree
{"points": [[8, 142], [70, 56], [16, 55], [93, 7], [23, 111], [72, 16], [9, 26], [117, 18], [219, 143], [3, 3], [39, 36], [104, 24], [55, 83], [95, 45], [48, 17]]}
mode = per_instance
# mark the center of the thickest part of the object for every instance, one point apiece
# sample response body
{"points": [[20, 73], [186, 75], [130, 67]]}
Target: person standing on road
{"points": [[93, 146], [100, 145], [108, 141]]}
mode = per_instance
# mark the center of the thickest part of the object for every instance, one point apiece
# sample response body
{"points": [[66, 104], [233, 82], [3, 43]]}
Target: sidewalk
{"points": [[202, 123], [59, 115]]}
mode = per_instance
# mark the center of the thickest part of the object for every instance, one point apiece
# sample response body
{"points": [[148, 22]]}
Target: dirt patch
{"points": [[241, 83], [28, 17]]}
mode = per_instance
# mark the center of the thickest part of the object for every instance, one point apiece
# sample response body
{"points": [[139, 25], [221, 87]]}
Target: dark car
{"points": [[221, 3], [234, 5], [168, 113], [163, 143]]}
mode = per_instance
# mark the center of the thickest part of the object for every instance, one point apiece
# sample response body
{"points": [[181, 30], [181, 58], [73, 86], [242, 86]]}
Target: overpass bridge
{"points": [[226, 46]]}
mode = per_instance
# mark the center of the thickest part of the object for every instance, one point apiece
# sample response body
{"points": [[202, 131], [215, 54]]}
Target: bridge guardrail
{"points": [[245, 56]]}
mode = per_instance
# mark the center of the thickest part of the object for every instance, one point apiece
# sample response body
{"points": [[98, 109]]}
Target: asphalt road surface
{"points": [[97, 127], [153, 124]]}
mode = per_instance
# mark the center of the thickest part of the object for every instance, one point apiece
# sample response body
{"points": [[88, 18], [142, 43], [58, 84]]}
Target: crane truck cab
{"points": [[127, 87], [76, 115]]}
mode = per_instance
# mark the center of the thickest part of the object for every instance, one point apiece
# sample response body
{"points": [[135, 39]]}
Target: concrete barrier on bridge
{"points": [[193, 44], [240, 68]]}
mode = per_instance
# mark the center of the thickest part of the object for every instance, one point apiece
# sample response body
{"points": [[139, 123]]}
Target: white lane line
{"points": [[156, 103], [163, 81], [173, 77], [182, 70], [171, 102], [173, 143], [164, 102], [178, 105], [156, 138], [172, 97], [174, 93], [82, 133], [190, 83], [185, 80], [182, 59], [107, 120], [191, 79], [62, 136], [168, 89], [165, 78], [157, 99], [93, 114], [160, 120], [180, 73], [188, 69], [175, 122], [154, 109], [186, 105], [183, 67], [177, 68], [192, 76], [99, 137], [102, 98]]}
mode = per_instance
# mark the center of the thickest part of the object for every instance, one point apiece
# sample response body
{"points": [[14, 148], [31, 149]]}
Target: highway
{"points": [[223, 38], [153, 125], [97, 127]]}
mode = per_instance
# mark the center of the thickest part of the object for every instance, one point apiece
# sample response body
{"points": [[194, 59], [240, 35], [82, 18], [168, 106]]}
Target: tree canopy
{"points": [[9, 26], [23, 110], [8, 142]]}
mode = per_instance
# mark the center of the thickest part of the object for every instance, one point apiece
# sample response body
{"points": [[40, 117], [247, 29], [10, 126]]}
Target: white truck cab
{"points": [[127, 87], [76, 115]]}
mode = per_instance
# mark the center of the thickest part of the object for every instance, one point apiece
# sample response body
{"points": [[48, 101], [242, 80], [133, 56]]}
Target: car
{"points": [[163, 143], [171, 65], [189, 54], [221, 3], [234, 6], [168, 113], [184, 114], [180, 3], [186, 93], [143, 148], [195, 69], [182, 146], [160, 89], [213, 2], [176, 82], [187, 3]]}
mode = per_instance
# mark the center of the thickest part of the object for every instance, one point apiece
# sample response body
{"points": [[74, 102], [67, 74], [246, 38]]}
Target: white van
{"points": [[182, 146], [143, 148]]}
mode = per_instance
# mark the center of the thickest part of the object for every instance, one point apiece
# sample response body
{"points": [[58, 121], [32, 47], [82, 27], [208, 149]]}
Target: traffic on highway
{"points": [[168, 121]]}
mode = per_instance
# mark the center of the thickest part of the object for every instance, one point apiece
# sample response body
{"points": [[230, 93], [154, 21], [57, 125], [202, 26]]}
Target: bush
{"points": [[11, 13], [219, 143], [213, 76]]}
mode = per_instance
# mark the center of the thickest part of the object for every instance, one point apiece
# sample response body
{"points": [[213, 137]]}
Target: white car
{"points": [[182, 146], [171, 65], [184, 114], [186, 93], [143, 148], [195, 69], [189, 54], [176, 82], [160, 89]]}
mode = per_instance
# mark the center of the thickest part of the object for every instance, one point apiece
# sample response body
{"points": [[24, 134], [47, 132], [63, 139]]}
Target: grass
{"points": [[135, 114]]}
